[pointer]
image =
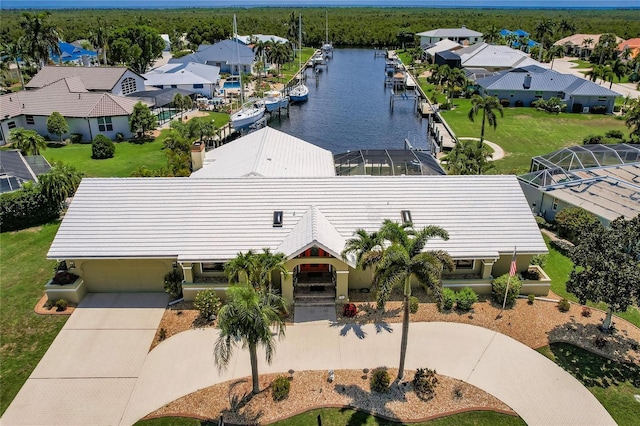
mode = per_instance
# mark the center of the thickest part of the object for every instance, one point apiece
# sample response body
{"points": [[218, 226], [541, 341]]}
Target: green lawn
{"points": [[525, 132], [129, 155], [341, 417], [582, 64], [559, 266], [25, 335], [613, 384]]}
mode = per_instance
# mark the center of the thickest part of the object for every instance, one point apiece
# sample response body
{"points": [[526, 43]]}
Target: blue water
{"points": [[349, 109], [174, 4], [231, 85]]}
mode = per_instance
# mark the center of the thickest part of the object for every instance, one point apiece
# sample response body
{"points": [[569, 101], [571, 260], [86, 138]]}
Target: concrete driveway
{"points": [[89, 372], [535, 387]]}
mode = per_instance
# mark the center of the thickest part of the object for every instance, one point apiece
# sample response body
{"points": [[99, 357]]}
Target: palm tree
{"points": [[618, 68], [632, 120], [13, 51], [99, 38], [29, 142], [586, 44], [292, 29], [405, 259], [279, 54], [241, 268], [247, 318], [543, 30], [40, 37], [367, 248], [492, 34], [468, 158], [608, 75], [566, 27], [267, 263], [555, 52], [60, 182], [596, 71], [488, 106]]}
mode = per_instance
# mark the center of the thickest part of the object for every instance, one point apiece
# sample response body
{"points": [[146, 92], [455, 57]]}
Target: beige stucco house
{"points": [[126, 234]]}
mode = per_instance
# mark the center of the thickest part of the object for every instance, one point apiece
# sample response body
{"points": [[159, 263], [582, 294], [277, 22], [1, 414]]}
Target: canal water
{"points": [[348, 108]]}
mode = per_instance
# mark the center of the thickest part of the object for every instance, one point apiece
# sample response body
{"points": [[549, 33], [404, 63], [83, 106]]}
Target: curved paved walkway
{"points": [[498, 152], [535, 387]]}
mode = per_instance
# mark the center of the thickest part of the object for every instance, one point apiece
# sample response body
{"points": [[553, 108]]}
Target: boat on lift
{"points": [[300, 92], [274, 99], [249, 112], [327, 47]]}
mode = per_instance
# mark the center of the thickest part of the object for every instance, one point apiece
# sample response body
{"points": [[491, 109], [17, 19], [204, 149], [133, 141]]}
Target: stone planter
{"points": [[539, 287], [73, 292]]}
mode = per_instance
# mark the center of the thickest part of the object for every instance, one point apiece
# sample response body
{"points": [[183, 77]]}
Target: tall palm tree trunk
{"points": [[484, 113], [405, 327], [255, 379]]}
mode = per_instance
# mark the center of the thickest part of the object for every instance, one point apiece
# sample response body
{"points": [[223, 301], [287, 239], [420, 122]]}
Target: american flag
{"points": [[514, 268]]}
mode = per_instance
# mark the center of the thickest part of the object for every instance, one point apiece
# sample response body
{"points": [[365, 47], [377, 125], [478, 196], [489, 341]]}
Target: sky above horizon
{"points": [[164, 4]]}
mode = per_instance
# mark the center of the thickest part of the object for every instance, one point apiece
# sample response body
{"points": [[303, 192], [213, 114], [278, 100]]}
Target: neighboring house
{"points": [[87, 113], [226, 55], [494, 57], [580, 45], [430, 50], [264, 153], [16, 169], [602, 179], [72, 54], [462, 36], [191, 76], [125, 234], [527, 84], [632, 45], [449, 58], [517, 38], [115, 80]]}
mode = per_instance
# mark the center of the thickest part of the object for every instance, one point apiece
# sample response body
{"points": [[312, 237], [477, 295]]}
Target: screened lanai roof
{"points": [[386, 162], [588, 156]]}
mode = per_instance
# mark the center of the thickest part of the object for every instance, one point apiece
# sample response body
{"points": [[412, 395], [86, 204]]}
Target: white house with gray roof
{"points": [[463, 36], [126, 234], [494, 57], [527, 84], [228, 55], [191, 76], [87, 113]]}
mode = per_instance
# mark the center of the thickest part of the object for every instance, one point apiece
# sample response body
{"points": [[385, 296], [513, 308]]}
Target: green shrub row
{"points": [[463, 300], [26, 208]]}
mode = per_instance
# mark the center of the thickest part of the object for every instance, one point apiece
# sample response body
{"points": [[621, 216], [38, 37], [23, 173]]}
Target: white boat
{"points": [[327, 47], [247, 115], [299, 93], [274, 99], [250, 112]]}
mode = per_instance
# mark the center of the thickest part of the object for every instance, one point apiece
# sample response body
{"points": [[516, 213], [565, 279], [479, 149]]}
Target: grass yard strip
{"points": [[613, 384], [25, 336], [526, 132], [341, 417]]}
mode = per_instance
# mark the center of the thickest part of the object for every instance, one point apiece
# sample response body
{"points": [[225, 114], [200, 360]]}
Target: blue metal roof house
{"points": [[530, 83], [71, 53], [227, 55]]}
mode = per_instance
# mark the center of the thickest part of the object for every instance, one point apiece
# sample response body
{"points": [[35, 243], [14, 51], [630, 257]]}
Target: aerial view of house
{"points": [[228, 55]]}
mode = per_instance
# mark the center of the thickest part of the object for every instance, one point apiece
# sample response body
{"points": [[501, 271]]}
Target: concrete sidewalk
{"points": [[535, 387]]}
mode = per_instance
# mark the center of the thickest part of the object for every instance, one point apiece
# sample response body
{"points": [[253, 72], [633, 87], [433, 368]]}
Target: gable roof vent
{"points": [[277, 219], [406, 217]]}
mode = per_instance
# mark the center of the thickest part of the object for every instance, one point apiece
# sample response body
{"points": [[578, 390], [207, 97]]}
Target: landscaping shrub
{"points": [[592, 140], [119, 137], [615, 134], [162, 334], [102, 147], [571, 221], [26, 208], [540, 260], [505, 103], [424, 383], [280, 388], [466, 298], [449, 298], [49, 304], [562, 246], [598, 109], [564, 305], [64, 277], [75, 137], [499, 287], [586, 311], [530, 274], [349, 310], [173, 283], [519, 103], [617, 108], [61, 305], [380, 380], [600, 342], [207, 303], [414, 304], [531, 298]]}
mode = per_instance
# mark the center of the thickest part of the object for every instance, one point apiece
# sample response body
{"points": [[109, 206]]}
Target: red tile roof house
{"points": [[90, 99]]}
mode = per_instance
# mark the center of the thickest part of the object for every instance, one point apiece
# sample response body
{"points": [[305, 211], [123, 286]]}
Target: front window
{"points": [[554, 206], [30, 119], [105, 124], [464, 264], [198, 86], [11, 125], [212, 267]]}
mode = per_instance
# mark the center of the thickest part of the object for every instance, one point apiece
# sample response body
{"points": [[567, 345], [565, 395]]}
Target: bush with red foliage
{"points": [[349, 310]]}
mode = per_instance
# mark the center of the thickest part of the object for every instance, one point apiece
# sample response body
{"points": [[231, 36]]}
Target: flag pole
{"points": [[512, 272]]}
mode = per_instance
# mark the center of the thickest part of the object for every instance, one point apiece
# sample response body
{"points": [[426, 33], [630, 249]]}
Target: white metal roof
{"points": [[214, 219], [485, 55], [450, 32], [267, 153], [183, 73], [441, 46]]}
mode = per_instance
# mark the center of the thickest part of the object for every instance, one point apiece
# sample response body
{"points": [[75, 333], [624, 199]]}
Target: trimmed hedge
{"points": [[25, 208]]}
